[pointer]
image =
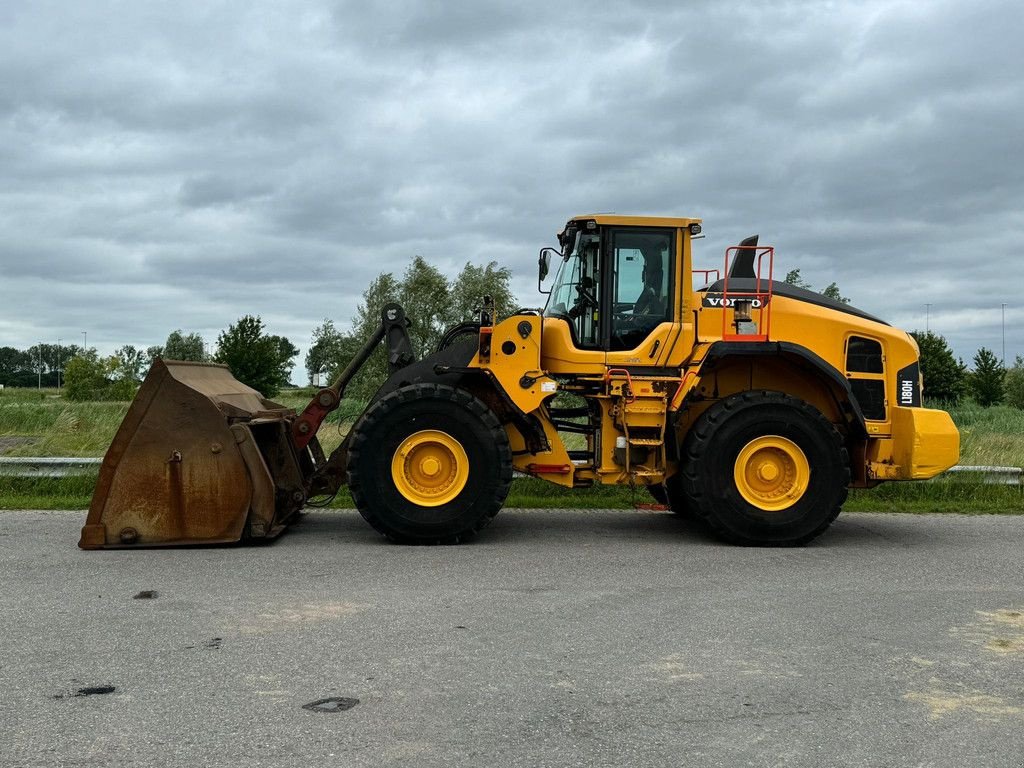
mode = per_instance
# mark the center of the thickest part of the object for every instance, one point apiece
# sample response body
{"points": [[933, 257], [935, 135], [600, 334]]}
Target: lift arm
{"points": [[394, 328]]}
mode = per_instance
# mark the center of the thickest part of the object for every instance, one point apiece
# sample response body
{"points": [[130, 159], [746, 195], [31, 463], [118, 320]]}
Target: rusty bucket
{"points": [[200, 458]]}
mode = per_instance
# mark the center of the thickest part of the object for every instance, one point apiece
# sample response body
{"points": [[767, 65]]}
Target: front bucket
{"points": [[200, 458]]}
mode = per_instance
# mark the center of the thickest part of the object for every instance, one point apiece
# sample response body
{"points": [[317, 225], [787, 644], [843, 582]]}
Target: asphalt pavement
{"points": [[559, 638]]}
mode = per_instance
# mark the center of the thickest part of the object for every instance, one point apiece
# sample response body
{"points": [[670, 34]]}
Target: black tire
{"points": [[659, 494], [670, 495], [676, 499], [399, 416], [714, 444]]}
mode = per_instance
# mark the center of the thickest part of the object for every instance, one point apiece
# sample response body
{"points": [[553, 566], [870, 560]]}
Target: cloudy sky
{"points": [[178, 165]]}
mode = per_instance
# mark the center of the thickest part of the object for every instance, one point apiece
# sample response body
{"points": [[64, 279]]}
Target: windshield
{"points": [[575, 290]]}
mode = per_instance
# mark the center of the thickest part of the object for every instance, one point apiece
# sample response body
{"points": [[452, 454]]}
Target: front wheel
{"points": [[765, 468], [429, 464], [670, 495]]}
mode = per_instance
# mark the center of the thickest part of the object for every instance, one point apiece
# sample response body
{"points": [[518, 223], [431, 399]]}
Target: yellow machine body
{"points": [[684, 365]]}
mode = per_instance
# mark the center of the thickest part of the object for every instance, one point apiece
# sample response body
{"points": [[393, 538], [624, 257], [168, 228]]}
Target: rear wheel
{"points": [[764, 468], [429, 464]]}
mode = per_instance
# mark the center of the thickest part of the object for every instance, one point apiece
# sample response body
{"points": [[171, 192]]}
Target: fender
{"points": [[800, 356]]}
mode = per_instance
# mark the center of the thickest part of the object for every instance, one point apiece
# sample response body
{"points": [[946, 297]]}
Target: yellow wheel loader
{"points": [[744, 402]]}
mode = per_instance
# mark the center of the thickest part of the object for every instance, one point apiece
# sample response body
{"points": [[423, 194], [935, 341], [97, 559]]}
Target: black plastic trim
{"points": [[647, 370], [908, 386], [743, 284]]}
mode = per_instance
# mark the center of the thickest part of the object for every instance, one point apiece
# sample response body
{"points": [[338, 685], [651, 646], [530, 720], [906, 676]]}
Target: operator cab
{"points": [[630, 270]]}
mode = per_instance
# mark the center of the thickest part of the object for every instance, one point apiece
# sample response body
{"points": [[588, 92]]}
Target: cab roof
{"points": [[636, 221]]}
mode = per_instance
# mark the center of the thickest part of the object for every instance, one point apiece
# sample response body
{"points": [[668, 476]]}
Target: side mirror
{"points": [[543, 266]]}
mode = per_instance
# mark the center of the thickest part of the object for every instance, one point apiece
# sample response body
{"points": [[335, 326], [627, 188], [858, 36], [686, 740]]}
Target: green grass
{"points": [[46, 492], [42, 423], [34, 423], [963, 496], [990, 436]]}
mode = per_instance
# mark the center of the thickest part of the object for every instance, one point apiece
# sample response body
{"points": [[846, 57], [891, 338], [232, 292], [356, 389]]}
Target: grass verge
{"points": [[41, 423], [949, 496]]}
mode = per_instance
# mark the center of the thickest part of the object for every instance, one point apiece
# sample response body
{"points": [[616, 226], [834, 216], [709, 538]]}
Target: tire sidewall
{"points": [[394, 419]]}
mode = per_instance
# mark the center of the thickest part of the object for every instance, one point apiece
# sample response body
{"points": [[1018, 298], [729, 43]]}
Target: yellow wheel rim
{"points": [[430, 468], [771, 473]]}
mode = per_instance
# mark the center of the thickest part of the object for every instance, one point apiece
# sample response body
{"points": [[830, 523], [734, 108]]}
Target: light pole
{"points": [[85, 342], [927, 314], [58, 365], [1004, 333], [39, 370]]}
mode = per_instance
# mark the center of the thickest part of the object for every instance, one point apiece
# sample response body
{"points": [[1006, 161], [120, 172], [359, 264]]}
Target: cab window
{"points": [[642, 278]]}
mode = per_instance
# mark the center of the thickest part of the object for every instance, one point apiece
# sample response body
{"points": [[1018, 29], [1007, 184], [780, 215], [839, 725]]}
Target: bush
{"points": [[122, 389], [1013, 384], [84, 378]]}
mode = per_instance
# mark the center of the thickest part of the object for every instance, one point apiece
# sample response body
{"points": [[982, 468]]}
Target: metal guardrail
{"points": [[56, 466], [991, 475]]}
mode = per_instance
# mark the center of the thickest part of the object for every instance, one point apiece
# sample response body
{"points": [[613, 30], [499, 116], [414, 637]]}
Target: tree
{"points": [[286, 353], [41, 365], [255, 358], [382, 290], [475, 282], [63, 354], [183, 347], [987, 379], [14, 364], [48, 359], [945, 377], [793, 278], [87, 376], [330, 351], [432, 303], [425, 295], [130, 364], [1013, 384], [832, 291]]}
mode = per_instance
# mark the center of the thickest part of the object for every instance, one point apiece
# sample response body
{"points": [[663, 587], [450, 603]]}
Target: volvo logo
{"points": [[718, 301]]}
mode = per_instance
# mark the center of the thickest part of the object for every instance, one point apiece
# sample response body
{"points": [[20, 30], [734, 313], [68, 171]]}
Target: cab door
{"points": [[642, 292]]}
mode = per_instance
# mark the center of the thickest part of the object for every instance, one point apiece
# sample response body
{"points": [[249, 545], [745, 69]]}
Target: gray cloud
{"points": [[179, 165]]}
